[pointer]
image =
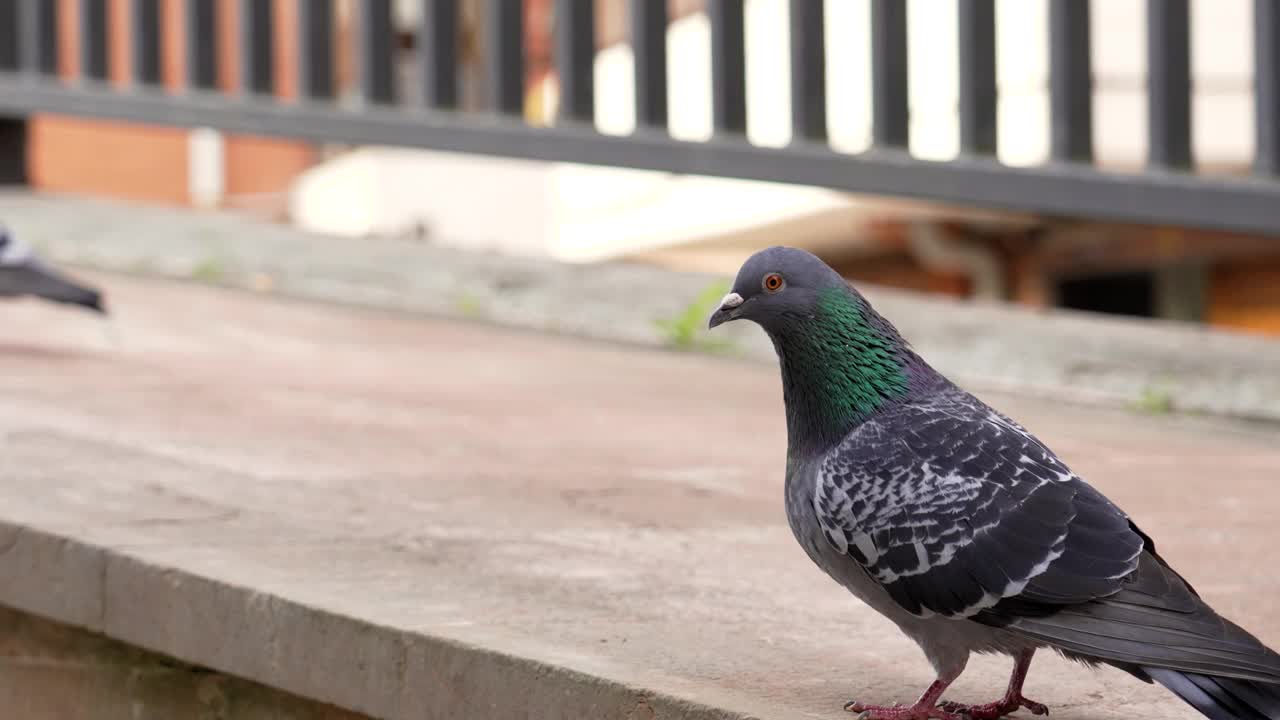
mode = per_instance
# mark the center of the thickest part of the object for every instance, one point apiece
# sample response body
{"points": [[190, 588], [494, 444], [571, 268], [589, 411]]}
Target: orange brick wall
{"points": [[149, 163], [1245, 296], [132, 162]]}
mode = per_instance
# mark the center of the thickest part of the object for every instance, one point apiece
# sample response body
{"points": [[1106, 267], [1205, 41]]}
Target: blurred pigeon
{"points": [[22, 273], [960, 526]]}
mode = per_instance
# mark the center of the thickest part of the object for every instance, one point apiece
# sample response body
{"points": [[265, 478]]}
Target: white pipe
{"points": [[928, 242], [206, 168]]}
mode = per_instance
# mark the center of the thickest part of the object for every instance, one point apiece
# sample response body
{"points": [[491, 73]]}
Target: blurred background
{"points": [[1149, 137]]}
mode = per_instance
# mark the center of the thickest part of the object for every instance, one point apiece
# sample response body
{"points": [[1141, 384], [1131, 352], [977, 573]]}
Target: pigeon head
{"points": [[13, 251], [776, 287], [841, 361]]}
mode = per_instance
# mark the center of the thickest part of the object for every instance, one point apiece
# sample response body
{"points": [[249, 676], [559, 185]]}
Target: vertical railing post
{"points": [[93, 40], [649, 43], [575, 58], [45, 36], [978, 94], [9, 36], [377, 50], [504, 44], [728, 66], [438, 54], [145, 22], [13, 151], [1169, 83], [889, 110], [16, 20], [808, 71], [257, 72], [38, 36], [202, 48], [315, 49], [1266, 77], [1070, 81]]}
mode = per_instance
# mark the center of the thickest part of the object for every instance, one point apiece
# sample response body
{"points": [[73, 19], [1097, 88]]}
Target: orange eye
{"points": [[773, 282]]}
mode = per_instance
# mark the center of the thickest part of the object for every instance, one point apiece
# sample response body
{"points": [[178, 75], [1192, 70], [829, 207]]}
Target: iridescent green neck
{"points": [[839, 365]]}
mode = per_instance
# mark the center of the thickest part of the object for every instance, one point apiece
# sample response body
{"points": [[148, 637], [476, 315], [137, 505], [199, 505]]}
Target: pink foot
{"points": [[919, 711], [995, 710]]}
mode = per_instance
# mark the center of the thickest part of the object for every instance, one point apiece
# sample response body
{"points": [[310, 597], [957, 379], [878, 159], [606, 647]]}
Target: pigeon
{"points": [[22, 273], [960, 526]]}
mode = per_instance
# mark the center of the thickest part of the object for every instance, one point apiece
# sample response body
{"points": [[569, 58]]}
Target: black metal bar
{"points": [[978, 94], [728, 66], [649, 44], [256, 47], [808, 70], [1246, 205], [28, 34], [438, 53], [376, 51], [93, 39], [575, 58], [1070, 81], [13, 151], [889, 111], [1266, 74], [46, 36], [1169, 83], [504, 44], [146, 42], [202, 44], [9, 45], [315, 49], [37, 36]]}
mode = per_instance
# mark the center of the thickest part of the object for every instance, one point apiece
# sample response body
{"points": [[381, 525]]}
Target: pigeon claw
{"points": [[919, 711], [995, 710]]}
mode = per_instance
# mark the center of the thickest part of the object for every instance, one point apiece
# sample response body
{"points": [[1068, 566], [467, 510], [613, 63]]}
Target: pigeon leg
{"points": [[926, 708], [1010, 703]]}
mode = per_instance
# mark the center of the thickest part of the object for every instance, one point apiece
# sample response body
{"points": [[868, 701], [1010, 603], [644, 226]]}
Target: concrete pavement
{"points": [[412, 518], [1103, 359]]}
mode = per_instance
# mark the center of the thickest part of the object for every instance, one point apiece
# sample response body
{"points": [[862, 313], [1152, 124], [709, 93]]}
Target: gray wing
{"points": [[953, 508], [958, 511]]}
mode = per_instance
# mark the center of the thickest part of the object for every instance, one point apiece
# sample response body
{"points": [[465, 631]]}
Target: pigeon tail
{"points": [[74, 294], [1221, 698], [62, 290], [38, 280]]}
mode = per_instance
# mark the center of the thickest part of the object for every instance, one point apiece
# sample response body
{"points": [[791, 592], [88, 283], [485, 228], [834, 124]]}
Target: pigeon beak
{"points": [[730, 308], [95, 303]]}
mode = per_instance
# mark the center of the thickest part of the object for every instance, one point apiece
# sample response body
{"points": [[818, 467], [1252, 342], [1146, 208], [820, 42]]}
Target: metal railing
{"points": [[1167, 192]]}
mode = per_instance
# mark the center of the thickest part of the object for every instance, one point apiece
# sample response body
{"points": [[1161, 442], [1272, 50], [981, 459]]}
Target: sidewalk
{"points": [[1081, 357], [416, 518]]}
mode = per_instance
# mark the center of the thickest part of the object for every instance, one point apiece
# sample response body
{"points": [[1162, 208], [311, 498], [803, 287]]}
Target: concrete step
{"points": [[414, 518]]}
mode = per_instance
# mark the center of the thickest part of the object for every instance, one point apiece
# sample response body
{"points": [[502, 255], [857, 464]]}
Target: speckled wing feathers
{"points": [[955, 509]]}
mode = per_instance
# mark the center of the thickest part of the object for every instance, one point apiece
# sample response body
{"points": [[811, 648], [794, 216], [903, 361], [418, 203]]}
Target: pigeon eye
{"points": [[773, 283]]}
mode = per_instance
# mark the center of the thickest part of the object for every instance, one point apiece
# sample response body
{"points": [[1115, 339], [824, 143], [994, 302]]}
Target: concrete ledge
{"points": [[411, 518], [51, 671], [1064, 355], [375, 670]]}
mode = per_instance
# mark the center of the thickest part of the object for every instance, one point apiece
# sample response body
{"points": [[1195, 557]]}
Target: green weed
{"points": [[686, 330], [469, 306], [1154, 400], [209, 270]]}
